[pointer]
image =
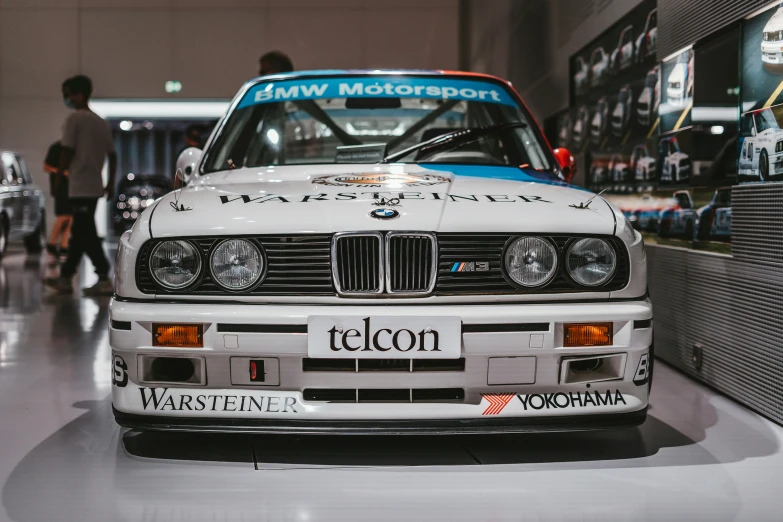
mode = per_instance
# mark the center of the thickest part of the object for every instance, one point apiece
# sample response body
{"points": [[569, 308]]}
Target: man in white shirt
{"points": [[86, 143]]}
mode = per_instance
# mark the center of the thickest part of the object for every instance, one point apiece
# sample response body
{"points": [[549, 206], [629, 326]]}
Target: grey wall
{"points": [[529, 42], [131, 47]]}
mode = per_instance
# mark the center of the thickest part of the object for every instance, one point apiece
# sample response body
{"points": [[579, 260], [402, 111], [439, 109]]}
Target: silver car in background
{"points": [[22, 214]]}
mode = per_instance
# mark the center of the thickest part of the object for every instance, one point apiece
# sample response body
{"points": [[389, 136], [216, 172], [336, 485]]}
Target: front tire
{"points": [[689, 230], [663, 228], [764, 166], [705, 225], [36, 242]]}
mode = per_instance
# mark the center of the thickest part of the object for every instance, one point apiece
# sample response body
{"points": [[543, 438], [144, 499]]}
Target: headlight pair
{"points": [[532, 261], [235, 264]]}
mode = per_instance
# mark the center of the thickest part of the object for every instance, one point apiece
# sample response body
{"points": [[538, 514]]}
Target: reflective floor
{"points": [[699, 456]]}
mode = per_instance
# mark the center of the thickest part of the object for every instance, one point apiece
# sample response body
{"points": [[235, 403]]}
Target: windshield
{"points": [[765, 120], [363, 119]]}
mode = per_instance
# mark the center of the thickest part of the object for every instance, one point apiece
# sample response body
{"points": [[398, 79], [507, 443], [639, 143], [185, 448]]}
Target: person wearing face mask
{"points": [[86, 143]]}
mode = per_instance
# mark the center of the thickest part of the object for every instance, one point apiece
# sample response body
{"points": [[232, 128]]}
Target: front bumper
{"points": [[493, 335], [385, 427], [772, 52]]}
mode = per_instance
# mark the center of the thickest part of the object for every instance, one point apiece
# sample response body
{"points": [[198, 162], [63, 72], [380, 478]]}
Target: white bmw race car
{"points": [[772, 39], [434, 276]]}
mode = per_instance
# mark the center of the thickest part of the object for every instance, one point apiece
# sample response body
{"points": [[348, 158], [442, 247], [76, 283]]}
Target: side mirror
{"points": [[187, 163], [567, 163]]}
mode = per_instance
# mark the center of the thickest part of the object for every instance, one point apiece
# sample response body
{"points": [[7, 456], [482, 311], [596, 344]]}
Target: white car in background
{"points": [[564, 133], [680, 218], [599, 65], [761, 155], [22, 205], [676, 164], [643, 164], [650, 98], [647, 42], [580, 128], [621, 115], [772, 39], [326, 287], [600, 120], [599, 171], [622, 56], [619, 168], [580, 77], [676, 85]]}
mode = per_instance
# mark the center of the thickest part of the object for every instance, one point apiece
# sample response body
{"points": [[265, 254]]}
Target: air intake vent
{"points": [[411, 266], [357, 263]]}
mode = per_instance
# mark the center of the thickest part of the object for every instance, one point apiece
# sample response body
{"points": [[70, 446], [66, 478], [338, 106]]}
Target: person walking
{"points": [[57, 245], [86, 143]]}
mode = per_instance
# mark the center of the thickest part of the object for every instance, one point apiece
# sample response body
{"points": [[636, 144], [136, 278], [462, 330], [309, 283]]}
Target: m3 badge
{"points": [[470, 266]]}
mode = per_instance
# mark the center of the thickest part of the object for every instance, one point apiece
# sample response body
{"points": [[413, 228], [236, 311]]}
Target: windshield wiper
{"points": [[453, 139]]}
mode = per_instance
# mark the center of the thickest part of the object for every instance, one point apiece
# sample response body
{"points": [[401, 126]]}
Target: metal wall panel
{"points": [[683, 22], [757, 222], [732, 307]]}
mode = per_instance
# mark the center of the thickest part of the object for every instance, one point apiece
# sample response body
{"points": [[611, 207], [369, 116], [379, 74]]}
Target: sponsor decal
{"points": [[470, 266], [497, 401], [380, 180], [555, 401], [119, 372], [163, 399], [384, 213], [376, 87], [642, 371], [350, 196], [561, 400], [383, 340]]}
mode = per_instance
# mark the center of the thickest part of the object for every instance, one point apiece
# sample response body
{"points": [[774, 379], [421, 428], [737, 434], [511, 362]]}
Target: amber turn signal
{"points": [[178, 335], [597, 334]]}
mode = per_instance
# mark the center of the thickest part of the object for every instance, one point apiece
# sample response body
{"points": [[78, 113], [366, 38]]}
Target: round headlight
{"points": [[591, 262], [175, 264], [237, 264], [531, 261]]}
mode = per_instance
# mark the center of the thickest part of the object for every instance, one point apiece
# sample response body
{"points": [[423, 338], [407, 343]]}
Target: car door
{"points": [[14, 189]]}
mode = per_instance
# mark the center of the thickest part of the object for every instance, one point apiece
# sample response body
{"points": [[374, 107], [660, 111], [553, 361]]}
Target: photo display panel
{"points": [[615, 94], [760, 143], [648, 138]]}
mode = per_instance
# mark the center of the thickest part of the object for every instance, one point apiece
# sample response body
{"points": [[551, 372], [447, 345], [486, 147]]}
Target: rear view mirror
{"points": [[566, 162], [373, 103], [187, 163]]}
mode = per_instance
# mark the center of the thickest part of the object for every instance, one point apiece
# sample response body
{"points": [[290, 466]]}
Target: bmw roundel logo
{"points": [[384, 213]]}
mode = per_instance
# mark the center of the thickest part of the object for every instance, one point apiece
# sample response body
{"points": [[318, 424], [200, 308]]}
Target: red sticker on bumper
{"points": [[497, 401]]}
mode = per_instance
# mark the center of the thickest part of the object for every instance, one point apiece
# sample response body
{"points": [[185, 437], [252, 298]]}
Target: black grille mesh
{"points": [[357, 260], [410, 263]]}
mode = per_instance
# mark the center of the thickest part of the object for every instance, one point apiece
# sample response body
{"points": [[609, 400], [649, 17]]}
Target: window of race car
{"points": [[373, 129]]}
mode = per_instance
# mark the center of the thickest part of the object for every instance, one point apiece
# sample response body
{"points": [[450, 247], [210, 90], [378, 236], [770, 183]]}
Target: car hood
{"points": [[677, 74], [335, 198]]}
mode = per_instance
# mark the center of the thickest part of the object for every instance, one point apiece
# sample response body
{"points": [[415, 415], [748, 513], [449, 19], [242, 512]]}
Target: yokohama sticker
{"points": [[554, 401], [380, 180]]}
